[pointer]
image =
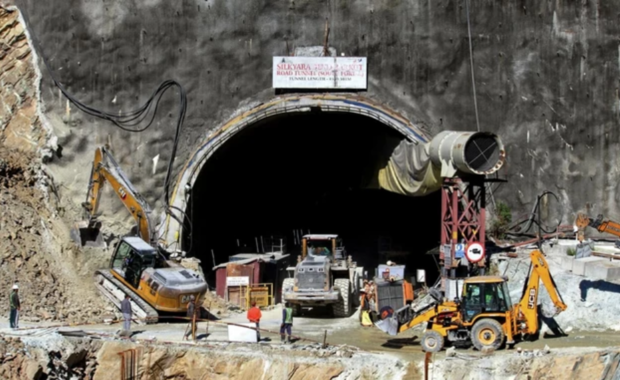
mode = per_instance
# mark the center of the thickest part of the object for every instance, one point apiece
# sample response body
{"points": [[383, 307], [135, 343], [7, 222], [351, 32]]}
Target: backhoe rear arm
{"points": [[528, 306]]}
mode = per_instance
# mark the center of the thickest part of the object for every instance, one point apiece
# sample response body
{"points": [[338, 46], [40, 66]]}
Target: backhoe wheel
{"points": [[487, 333], [343, 308], [432, 341]]}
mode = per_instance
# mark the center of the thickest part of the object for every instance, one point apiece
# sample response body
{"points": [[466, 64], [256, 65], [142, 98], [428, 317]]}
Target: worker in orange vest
{"points": [[254, 316]]}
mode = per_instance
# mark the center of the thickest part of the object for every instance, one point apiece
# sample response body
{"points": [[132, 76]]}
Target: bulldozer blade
{"points": [[86, 234], [388, 325]]}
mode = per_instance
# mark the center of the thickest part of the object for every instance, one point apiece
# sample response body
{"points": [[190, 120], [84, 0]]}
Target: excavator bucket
{"points": [[87, 234]]}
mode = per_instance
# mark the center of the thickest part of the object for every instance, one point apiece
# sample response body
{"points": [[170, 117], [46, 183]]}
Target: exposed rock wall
{"points": [[20, 125], [582, 364], [546, 76], [34, 248], [54, 357]]}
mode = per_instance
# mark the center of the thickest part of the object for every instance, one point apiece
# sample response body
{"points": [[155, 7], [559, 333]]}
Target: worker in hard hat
{"points": [[15, 307], [287, 322]]}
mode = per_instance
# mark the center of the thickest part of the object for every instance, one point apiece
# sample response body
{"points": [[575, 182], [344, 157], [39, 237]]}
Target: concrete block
{"points": [[567, 263], [579, 265], [603, 270], [241, 334]]}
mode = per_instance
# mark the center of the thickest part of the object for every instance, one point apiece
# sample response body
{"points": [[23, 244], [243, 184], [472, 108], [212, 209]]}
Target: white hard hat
{"points": [[15, 286]]}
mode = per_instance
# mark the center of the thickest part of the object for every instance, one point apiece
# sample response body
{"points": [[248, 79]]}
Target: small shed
{"points": [[244, 270]]}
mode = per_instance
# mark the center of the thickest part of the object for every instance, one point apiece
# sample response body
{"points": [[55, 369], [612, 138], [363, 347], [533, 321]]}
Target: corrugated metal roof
{"points": [[266, 257], [320, 237]]}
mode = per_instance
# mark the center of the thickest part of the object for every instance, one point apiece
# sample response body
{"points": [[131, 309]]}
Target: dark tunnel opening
{"points": [[309, 172]]}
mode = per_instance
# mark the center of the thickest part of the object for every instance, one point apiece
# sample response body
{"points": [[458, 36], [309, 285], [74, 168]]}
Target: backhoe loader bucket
{"points": [[388, 325], [87, 234]]}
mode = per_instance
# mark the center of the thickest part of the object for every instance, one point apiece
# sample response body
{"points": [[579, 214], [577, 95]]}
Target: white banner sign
{"points": [[237, 281], [320, 72]]}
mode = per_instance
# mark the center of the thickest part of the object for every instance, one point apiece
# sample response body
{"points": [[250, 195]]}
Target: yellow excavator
{"points": [[139, 267], [605, 226], [484, 315]]}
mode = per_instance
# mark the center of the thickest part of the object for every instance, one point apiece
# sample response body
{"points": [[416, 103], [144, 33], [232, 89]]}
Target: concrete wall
{"points": [[546, 76]]}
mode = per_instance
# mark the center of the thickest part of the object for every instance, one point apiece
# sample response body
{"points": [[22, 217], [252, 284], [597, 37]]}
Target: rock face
{"points": [[244, 362], [567, 364], [546, 76], [49, 357], [20, 125]]}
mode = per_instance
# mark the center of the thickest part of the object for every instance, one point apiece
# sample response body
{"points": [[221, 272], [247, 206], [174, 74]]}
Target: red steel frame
{"points": [[462, 216]]}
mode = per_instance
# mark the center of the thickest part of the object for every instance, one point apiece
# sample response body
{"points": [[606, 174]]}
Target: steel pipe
{"points": [[478, 153]]}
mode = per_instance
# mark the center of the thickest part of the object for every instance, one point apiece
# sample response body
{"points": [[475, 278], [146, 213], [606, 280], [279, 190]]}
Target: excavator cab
{"points": [[131, 257]]}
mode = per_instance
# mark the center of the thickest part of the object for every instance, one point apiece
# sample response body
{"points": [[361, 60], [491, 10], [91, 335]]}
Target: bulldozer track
{"points": [[151, 314]]}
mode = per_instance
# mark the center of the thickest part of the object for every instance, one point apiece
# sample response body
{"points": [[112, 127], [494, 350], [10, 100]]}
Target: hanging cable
{"points": [[130, 120]]}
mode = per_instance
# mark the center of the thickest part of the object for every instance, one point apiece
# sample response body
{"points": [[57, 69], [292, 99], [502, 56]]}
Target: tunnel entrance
{"points": [[308, 172]]}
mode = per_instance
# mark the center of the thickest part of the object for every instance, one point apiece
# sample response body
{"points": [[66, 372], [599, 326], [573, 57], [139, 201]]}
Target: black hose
{"points": [[129, 120]]}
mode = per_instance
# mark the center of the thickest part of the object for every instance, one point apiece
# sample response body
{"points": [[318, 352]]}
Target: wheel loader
{"points": [[325, 277], [483, 316]]}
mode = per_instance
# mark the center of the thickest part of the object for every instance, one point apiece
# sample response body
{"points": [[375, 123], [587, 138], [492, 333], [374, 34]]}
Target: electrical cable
{"points": [[532, 220], [129, 120]]}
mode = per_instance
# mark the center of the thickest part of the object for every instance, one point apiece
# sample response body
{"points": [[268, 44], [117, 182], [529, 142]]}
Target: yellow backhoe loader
{"points": [[484, 315], [139, 267]]}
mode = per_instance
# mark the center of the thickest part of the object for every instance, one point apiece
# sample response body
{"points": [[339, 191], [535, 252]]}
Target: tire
{"points": [[487, 333], [343, 308], [432, 341], [296, 310]]}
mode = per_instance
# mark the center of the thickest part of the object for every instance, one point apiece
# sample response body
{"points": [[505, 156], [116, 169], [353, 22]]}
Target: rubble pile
{"points": [[52, 358], [218, 307], [31, 254]]}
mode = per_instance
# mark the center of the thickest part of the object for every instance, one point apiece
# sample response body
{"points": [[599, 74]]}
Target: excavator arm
{"points": [[528, 306], [105, 169], [604, 226]]}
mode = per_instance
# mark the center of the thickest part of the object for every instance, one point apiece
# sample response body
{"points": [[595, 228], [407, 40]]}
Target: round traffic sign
{"points": [[475, 252]]}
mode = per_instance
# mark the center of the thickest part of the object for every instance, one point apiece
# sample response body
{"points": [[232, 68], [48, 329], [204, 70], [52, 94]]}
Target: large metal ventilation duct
{"points": [[478, 153]]}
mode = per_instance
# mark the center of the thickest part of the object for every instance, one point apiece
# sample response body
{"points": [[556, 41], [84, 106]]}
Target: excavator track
{"points": [[115, 290]]}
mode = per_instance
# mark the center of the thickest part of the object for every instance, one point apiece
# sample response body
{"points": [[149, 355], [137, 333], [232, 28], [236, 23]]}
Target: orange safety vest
{"points": [[254, 314]]}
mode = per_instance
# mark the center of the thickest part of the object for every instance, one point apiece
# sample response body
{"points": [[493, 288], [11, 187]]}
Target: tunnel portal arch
{"points": [[171, 229]]}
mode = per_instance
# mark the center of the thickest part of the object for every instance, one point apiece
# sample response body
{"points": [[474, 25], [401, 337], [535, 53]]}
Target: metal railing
{"points": [[254, 291]]}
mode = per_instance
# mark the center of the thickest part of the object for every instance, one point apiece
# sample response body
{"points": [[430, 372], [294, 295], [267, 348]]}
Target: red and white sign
{"points": [[474, 252], [320, 72]]}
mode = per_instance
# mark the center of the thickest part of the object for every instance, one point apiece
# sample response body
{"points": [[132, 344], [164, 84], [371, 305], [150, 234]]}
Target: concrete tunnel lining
{"points": [[171, 230]]}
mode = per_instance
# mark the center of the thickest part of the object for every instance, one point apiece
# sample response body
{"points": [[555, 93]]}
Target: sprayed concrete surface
{"points": [[545, 74]]}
